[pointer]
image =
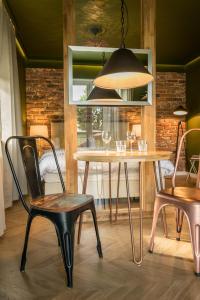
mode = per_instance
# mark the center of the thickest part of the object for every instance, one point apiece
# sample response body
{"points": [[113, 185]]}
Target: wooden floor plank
{"points": [[166, 274]]}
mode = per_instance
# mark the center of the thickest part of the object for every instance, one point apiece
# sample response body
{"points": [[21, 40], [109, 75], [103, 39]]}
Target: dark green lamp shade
{"points": [[180, 111], [123, 71], [101, 96]]}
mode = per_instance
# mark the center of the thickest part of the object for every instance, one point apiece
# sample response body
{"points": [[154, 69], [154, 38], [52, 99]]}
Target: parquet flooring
{"points": [[162, 276]]}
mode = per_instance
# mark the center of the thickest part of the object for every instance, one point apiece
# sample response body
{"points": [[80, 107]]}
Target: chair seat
{"points": [[61, 202], [183, 194]]}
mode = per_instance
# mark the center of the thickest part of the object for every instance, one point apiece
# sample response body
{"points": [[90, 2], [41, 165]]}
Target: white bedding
{"points": [[47, 162], [167, 167], [98, 176], [48, 166]]}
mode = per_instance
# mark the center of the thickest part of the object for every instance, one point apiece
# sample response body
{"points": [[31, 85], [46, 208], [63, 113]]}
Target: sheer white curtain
{"points": [[113, 123], [2, 212], [11, 121]]}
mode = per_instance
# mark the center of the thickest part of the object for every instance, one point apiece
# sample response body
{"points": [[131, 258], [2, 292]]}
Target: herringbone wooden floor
{"points": [[162, 275]]}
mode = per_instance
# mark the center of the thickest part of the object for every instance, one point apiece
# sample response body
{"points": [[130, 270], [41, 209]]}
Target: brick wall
{"points": [[131, 115], [44, 96], [44, 100], [170, 93]]}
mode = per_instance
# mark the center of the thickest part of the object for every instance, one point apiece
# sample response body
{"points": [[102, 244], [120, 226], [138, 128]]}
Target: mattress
{"points": [[47, 165], [98, 182], [97, 185], [97, 170], [98, 178]]}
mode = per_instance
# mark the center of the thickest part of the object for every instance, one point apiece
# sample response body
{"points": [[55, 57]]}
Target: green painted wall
{"points": [[85, 72], [193, 105], [22, 86]]}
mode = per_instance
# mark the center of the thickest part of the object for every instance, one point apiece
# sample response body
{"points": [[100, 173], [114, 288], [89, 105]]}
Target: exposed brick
{"points": [[44, 96], [44, 100], [170, 92]]}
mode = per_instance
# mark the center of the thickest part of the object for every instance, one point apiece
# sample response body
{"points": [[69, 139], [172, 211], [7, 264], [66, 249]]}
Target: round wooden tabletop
{"points": [[114, 156]]}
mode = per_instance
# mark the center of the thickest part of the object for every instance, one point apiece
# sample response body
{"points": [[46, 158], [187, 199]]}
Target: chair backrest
{"points": [[29, 154], [182, 140]]}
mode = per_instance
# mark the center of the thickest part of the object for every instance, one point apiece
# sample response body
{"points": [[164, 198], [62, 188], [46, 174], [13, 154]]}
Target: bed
{"points": [[98, 179]]}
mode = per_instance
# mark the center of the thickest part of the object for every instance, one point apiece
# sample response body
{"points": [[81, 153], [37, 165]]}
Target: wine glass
{"points": [[106, 138], [131, 137]]}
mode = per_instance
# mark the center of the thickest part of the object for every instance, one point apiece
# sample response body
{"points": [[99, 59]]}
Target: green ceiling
{"points": [[39, 23], [178, 31], [39, 26]]}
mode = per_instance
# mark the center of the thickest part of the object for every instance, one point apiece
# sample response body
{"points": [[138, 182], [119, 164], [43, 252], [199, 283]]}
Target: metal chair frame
{"points": [[193, 159], [64, 221], [189, 209]]}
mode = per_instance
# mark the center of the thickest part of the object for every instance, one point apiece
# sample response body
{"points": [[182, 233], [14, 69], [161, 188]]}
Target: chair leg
{"points": [[117, 199], [84, 188], [66, 239], [157, 208], [164, 221], [57, 234], [23, 259], [179, 222], [99, 249], [104, 203], [80, 228], [195, 240]]}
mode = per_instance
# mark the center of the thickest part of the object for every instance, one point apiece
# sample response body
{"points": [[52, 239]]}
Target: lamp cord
{"points": [[124, 27], [103, 58]]}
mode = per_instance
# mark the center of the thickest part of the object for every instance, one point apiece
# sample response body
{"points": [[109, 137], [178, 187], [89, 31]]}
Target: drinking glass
{"points": [[142, 145], [121, 146], [131, 137], [106, 138]]}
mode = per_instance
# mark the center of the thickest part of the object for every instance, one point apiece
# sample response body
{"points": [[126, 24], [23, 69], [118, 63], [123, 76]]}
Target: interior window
{"points": [[93, 120], [81, 89]]}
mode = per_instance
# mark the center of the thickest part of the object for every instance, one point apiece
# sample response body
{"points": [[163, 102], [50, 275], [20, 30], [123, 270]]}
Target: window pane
{"points": [[79, 92], [93, 120]]}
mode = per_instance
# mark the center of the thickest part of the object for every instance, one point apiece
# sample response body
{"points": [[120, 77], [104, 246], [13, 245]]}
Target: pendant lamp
{"points": [[180, 111], [101, 96], [123, 70]]}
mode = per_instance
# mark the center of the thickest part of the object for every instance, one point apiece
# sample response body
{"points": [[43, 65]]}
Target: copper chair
{"points": [[187, 202], [61, 209]]}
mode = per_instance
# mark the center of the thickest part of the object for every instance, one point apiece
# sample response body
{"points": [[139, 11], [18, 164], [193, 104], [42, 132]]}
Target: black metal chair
{"points": [[62, 209]]}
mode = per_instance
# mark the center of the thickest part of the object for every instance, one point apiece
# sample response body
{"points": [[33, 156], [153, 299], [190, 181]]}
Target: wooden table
{"points": [[125, 158]]}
